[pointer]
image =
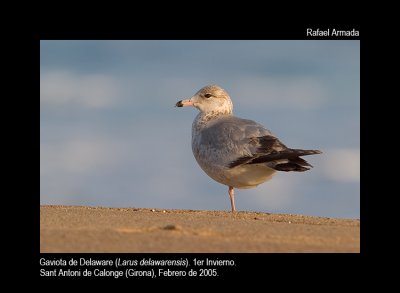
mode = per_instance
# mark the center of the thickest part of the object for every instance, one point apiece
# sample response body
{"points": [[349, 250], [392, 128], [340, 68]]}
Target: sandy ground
{"points": [[97, 229]]}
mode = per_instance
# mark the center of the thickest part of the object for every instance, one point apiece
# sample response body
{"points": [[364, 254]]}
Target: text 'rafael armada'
{"points": [[332, 33]]}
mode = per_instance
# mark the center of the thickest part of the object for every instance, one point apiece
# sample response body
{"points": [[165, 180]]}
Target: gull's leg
{"points": [[231, 195]]}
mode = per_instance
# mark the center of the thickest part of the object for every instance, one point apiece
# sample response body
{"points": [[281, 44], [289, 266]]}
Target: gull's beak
{"points": [[184, 103]]}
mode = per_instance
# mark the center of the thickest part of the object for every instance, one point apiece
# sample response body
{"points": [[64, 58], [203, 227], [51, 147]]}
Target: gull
{"points": [[236, 152]]}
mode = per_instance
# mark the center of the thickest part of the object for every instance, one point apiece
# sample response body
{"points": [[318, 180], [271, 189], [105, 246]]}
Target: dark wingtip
{"points": [[179, 104], [292, 167], [306, 152]]}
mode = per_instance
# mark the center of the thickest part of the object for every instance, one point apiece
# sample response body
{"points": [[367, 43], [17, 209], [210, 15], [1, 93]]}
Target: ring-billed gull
{"points": [[237, 152]]}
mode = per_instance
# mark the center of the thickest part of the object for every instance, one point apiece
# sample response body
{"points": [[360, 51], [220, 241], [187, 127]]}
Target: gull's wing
{"points": [[237, 141]]}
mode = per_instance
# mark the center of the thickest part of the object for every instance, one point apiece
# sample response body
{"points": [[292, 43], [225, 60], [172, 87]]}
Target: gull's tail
{"points": [[290, 160]]}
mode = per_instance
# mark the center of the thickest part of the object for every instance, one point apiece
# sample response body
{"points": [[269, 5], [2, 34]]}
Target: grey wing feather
{"points": [[235, 137], [242, 141]]}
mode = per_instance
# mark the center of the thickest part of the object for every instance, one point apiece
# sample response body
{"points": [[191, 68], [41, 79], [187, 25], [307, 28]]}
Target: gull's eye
{"points": [[208, 95]]}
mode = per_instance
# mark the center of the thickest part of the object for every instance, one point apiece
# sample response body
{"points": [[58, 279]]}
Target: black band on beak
{"points": [[179, 104]]}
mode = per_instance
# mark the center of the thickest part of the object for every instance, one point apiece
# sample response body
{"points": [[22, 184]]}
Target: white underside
{"points": [[244, 176]]}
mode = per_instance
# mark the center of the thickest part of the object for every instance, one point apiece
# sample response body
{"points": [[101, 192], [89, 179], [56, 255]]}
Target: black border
{"points": [[266, 32], [256, 266]]}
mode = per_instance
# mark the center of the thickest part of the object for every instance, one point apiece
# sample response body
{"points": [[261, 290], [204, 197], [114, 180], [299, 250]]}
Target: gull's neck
{"points": [[203, 118]]}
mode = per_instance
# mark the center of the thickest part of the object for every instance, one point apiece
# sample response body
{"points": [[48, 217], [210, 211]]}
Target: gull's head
{"points": [[210, 98]]}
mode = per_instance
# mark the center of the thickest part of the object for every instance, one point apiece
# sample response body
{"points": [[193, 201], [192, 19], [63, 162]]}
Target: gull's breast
{"points": [[242, 176]]}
